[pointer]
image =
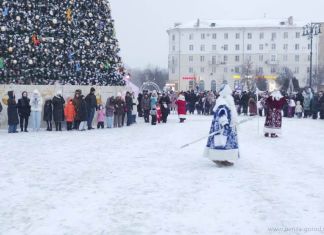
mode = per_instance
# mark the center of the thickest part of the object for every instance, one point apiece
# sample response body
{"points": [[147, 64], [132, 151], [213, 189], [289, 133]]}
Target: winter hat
{"points": [[276, 95], [225, 90], [36, 92], [92, 90], [59, 93]]}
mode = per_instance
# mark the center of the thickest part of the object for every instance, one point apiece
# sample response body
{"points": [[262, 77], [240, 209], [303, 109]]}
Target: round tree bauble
{"points": [[30, 61], [90, 14], [57, 63], [51, 12], [27, 40], [10, 49], [87, 43], [14, 61], [18, 18], [54, 21], [61, 41], [3, 28], [37, 17]]}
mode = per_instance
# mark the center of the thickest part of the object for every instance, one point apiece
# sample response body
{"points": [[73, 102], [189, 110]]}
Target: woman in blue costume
{"points": [[222, 146]]}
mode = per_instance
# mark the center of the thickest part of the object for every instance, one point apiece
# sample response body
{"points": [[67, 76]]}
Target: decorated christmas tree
{"points": [[70, 41]]}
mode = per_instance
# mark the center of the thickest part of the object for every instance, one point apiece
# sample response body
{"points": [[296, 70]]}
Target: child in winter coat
{"points": [[158, 113], [153, 111], [69, 113], [48, 113], [299, 110], [101, 117], [110, 112]]}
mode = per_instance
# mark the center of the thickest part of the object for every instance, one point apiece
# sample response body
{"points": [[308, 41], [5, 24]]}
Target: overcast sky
{"points": [[141, 24]]}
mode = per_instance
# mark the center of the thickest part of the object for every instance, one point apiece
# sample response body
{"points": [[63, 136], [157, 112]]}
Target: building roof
{"points": [[246, 23]]}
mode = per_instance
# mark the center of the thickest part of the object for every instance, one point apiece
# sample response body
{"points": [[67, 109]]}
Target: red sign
{"points": [[188, 78]]}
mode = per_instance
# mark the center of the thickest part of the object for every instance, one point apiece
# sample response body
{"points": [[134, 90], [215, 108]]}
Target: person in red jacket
{"points": [[181, 103], [69, 113]]}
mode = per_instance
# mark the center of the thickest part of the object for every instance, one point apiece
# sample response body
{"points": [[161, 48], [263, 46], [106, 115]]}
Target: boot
{"points": [[266, 134], [274, 135]]}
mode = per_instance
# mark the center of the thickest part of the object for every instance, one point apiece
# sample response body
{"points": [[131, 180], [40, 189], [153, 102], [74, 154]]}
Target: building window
{"points": [[309, 46], [190, 70], [297, 70], [297, 58], [202, 36], [214, 70], [308, 69], [260, 58], [261, 47], [173, 60], [285, 46], [285, 35], [237, 35], [249, 58], [202, 69], [191, 36], [191, 85], [260, 70], [249, 35], [225, 69], [297, 34], [237, 58], [296, 47], [191, 58], [214, 35], [273, 46], [261, 35], [173, 70], [214, 47], [225, 58], [191, 47], [237, 47], [202, 48], [214, 60], [308, 58], [249, 47], [173, 37], [273, 36], [273, 69], [213, 85], [225, 47], [201, 85], [285, 58], [237, 69], [202, 58], [273, 58], [173, 48], [225, 35]]}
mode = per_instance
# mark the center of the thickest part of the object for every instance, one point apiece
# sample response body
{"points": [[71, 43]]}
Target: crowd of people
{"points": [[304, 103], [78, 112]]}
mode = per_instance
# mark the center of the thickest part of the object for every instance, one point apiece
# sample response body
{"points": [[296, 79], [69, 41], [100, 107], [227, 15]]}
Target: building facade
{"points": [[202, 54]]}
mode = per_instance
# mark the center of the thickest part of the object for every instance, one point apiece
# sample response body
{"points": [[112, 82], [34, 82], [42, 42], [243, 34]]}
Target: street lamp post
{"points": [[311, 30]]}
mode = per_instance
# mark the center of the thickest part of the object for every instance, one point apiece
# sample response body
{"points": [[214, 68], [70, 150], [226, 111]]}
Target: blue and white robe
{"points": [[222, 144]]}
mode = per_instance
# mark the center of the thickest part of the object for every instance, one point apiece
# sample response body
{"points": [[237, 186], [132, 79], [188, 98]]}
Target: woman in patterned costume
{"points": [[222, 146], [275, 103]]}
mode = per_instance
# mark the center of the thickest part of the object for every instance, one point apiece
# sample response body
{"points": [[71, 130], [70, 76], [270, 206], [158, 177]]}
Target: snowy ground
{"points": [[137, 181]]}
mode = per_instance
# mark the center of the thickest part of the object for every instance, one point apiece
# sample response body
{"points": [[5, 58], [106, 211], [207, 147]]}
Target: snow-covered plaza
{"points": [[137, 181]]}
